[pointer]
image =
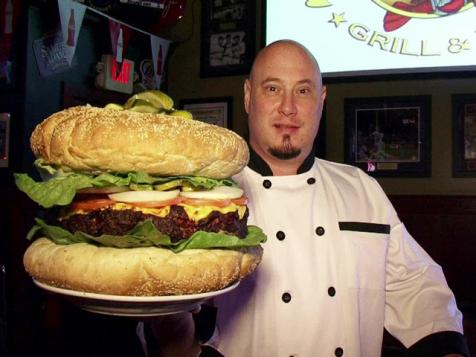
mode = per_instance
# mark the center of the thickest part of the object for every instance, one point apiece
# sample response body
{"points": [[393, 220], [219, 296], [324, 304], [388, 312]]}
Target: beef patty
{"points": [[176, 224]]}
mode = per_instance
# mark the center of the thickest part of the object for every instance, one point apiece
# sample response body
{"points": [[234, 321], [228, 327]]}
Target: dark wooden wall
{"points": [[445, 226]]}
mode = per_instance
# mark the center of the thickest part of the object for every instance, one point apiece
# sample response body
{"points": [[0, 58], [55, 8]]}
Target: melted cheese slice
{"points": [[195, 213]]}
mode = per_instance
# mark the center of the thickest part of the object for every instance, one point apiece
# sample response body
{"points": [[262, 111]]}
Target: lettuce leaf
{"points": [[145, 234], [57, 191], [61, 186]]}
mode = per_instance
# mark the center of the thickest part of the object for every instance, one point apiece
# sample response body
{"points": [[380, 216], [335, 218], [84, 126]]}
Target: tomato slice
{"points": [[157, 204], [206, 202], [90, 205], [242, 201]]}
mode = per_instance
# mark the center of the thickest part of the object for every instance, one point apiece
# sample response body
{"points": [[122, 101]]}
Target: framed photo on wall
{"points": [[464, 135], [389, 136], [215, 111], [227, 37]]}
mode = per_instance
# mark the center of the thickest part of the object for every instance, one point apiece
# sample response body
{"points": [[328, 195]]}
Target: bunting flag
{"points": [[71, 16], [120, 36], [159, 48]]}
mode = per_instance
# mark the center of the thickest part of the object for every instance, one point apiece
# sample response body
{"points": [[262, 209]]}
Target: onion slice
{"points": [[216, 193], [199, 202], [144, 196], [158, 204]]}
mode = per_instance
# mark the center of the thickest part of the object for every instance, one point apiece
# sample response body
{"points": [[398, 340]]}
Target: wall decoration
{"points": [[464, 135], [389, 136], [9, 15], [71, 18], [4, 138], [228, 37], [215, 111], [50, 54]]}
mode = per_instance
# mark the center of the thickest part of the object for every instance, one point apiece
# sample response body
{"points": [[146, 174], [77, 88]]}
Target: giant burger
{"points": [[138, 204]]}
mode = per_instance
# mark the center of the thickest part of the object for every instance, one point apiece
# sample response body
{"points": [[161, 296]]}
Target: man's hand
{"points": [[175, 335]]}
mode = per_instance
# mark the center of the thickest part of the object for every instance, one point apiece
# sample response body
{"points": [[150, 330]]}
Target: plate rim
{"points": [[132, 298]]}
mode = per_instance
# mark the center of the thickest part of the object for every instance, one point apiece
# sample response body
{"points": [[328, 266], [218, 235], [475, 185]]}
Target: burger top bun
{"points": [[147, 271], [86, 138]]}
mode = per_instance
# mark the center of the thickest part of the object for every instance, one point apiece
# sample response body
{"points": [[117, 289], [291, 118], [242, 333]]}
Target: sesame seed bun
{"points": [[147, 271], [85, 138]]}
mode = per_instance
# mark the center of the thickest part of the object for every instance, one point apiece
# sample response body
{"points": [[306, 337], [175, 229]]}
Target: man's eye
{"points": [[304, 90], [271, 89]]}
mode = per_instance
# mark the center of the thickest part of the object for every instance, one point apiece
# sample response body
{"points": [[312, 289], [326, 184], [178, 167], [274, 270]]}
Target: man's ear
{"points": [[247, 94], [323, 93]]}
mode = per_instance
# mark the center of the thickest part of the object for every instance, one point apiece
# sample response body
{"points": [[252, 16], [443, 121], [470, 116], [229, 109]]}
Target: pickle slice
{"points": [[155, 98], [182, 113]]}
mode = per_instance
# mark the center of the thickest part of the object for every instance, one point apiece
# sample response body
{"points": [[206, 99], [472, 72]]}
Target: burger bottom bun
{"points": [[149, 271]]}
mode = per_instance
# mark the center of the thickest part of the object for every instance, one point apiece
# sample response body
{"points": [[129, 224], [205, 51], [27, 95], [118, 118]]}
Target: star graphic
{"points": [[337, 19]]}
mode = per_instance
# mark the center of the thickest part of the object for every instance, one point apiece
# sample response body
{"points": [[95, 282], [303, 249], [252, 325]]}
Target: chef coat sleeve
{"points": [[440, 344], [420, 308]]}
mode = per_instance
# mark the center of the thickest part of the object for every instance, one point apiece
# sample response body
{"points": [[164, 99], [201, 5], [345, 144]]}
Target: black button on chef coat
{"points": [[320, 231], [339, 352], [267, 184], [280, 235], [286, 297]]}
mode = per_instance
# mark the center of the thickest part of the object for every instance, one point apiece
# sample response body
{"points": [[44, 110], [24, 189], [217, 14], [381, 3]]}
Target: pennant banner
{"points": [[159, 48], [71, 16], [120, 36]]}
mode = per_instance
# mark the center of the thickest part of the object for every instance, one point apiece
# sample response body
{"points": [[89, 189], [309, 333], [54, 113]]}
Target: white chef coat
{"points": [[337, 268]]}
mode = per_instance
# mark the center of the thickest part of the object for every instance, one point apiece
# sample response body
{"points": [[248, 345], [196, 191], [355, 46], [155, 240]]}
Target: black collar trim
{"points": [[257, 164]]}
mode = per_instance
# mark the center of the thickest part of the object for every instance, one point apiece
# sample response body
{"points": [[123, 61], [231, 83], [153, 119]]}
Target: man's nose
{"points": [[287, 106]]}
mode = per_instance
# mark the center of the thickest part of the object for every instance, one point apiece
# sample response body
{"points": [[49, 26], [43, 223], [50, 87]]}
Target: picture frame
{"points": [[389, 136], [217, 110], [228, 42], [4, 139], [464, 135]]}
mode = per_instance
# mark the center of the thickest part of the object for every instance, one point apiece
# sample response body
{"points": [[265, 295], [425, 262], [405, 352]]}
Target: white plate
{"points": [[133, 305]]}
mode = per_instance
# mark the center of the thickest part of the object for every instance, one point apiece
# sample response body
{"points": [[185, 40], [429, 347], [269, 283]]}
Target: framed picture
{"points": [[227, 37], [389, 136], [215, 111], [4, 138], [464, 135]]}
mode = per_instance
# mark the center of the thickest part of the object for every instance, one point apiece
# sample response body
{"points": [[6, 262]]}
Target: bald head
{"points": [[280, 48]]}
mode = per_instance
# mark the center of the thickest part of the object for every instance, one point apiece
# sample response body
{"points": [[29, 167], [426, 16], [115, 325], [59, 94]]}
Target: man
{"points": [[338, 265]]}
